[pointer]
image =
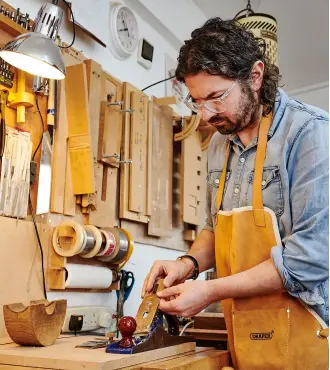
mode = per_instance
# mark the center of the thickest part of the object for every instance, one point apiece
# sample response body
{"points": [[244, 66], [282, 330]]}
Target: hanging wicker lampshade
{"points": [[262, 26]]}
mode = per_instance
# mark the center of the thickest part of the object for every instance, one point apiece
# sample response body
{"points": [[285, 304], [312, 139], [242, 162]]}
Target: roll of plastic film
{"points": [[87, 277], [69, 239], [109, 243], [121, 249], [94, 242]]}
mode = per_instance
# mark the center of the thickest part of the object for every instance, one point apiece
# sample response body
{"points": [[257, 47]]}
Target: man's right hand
{"points": [[173, 272]]}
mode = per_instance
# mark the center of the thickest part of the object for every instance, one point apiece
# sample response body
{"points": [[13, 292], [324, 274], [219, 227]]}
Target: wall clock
{"points": [[124, 32]]}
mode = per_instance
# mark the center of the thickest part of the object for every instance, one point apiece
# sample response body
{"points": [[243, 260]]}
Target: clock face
{"points": [[127, 29], [124, 34]]}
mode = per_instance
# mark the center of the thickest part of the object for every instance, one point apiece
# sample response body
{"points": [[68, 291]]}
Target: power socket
{"points": [[94, 317]]}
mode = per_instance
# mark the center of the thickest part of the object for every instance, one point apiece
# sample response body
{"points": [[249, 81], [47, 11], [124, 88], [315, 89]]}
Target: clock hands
{"points": [[125, 23]]}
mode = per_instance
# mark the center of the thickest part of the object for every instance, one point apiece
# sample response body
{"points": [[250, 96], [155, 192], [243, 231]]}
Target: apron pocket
{"points": [[261, 339]]}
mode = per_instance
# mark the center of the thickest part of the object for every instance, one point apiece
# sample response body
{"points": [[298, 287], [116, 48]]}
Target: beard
{"points": [[246, 115]]}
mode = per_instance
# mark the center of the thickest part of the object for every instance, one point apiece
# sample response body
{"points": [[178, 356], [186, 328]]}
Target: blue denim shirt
{"points": [[295, 186]]}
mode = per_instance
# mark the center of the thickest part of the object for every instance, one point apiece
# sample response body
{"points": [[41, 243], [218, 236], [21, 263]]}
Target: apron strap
{"points": [[223, 179], [257, 203]]}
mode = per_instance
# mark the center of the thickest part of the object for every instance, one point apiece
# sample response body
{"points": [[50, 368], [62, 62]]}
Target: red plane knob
{"points": [[127, 326]]}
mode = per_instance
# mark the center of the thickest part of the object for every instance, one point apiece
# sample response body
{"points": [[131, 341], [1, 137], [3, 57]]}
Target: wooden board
{"points": [[204, 360], [208, 334], [71, 57], [63, 355], [106, 178], [161, 158], [138, 153], [94, 84], [139, 233], [59, 155], [79, 139], [20, 263], [69, 207], [161, 362], [210, 320], [125, 180], [191, 163]]}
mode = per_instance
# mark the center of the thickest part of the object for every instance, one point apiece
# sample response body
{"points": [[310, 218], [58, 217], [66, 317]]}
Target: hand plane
{"points": [[146, 332]]}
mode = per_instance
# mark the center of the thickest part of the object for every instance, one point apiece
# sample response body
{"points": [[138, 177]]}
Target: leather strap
{"points": [[223, 179], [257, 204]]}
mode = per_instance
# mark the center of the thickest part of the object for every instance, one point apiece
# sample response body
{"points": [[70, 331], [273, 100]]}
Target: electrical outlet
{"points": [[94, 317]]}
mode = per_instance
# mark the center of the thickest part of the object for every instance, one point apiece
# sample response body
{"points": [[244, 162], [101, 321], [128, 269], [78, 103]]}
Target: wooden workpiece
{"points": [[63, 355], [79, 139], [191, 170], [71, 57], [161, 159], [59, 159], [38, 324], [108, 120], [134, 144]]}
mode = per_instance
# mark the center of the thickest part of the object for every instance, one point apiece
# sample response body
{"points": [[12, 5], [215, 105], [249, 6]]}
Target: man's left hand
{"points": [[187, 299]]}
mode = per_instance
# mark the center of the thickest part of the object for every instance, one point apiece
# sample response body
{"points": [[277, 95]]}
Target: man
{"points": [[267, 207]]}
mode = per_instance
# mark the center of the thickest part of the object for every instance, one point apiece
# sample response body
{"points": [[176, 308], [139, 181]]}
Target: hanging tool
{"points": [[21, 99], [51, 109], [127, 281], [45, 173]]}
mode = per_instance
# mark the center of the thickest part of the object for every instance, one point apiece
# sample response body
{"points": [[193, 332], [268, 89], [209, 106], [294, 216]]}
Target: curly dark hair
{"points": [[225, 48]]}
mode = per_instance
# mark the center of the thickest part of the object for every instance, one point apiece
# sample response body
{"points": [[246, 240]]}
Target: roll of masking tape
{"points": [[94, 243], [69, 238]]}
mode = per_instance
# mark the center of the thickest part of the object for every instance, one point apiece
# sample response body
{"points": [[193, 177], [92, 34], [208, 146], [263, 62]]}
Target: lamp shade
{"points": [[265, 27], [35, 53]]}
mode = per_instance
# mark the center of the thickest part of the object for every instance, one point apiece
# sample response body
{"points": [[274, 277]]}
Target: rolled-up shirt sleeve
{"points": [[208, 207], [302, 260]]}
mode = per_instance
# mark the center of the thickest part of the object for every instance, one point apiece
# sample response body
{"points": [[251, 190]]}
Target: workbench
{"points": [[63, 355]]}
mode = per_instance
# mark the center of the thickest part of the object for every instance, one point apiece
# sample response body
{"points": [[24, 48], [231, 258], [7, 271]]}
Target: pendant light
{"points": [[262, 26]]}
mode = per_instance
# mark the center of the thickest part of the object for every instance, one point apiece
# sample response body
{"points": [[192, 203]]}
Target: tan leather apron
{"points": [[274, 331]]}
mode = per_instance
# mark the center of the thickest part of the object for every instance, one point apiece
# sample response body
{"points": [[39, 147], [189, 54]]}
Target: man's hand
{"points": [[187, 299], [174, 272]]}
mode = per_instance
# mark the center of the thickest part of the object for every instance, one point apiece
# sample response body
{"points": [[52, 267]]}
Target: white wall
{"points": [[317, 95], [129, 70]]}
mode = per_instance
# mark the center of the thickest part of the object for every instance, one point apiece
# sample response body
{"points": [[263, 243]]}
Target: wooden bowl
{"points": [[38, 324]]}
